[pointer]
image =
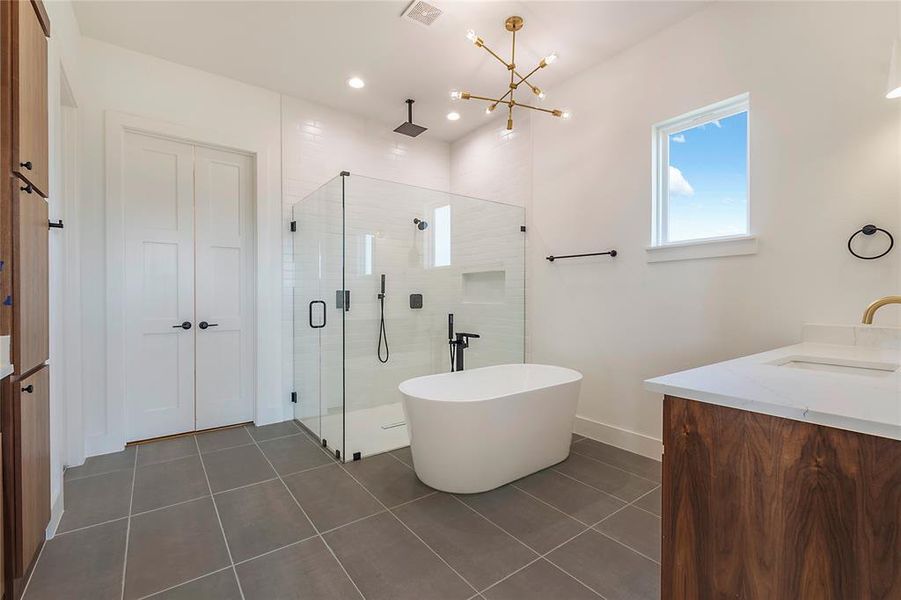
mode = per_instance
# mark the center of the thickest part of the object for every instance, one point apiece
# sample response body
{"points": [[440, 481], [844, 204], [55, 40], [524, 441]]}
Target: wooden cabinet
{"points": [[31, 160], [761, 507], [31, 345], [24, 282], [33, 449]]}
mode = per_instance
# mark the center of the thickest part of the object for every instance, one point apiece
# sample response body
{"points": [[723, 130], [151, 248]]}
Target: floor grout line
{"points": [[77, 529], [219, 519], [391, 512], [170, 588], [548, 504], [416, 535], [33, 570], [312, 524], [594, 487], [588, 526], [134, 476], [612, 466], [92, 475], [274, 550]]}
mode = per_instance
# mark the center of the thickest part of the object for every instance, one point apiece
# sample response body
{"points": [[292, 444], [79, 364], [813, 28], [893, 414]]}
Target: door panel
{"points": [[158, 195], [33, 394], [31, 162], [225, 287], [32, 274]]}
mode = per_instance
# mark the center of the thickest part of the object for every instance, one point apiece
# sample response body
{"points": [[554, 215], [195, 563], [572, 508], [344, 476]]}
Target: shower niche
{"points": [[437, 253]]}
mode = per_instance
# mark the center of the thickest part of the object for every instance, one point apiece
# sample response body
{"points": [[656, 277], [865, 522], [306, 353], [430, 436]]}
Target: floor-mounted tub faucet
{"points": [[458, 342]]}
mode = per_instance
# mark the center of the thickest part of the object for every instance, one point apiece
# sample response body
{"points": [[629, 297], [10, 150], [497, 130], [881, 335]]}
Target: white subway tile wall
{"points": [[382, 238]]}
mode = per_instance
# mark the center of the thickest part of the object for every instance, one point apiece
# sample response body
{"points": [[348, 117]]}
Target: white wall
{"points": [[825, 158], [62, 56]]}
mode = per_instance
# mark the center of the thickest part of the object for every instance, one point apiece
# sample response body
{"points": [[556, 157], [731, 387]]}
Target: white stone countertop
{"points": [[848, 377]]}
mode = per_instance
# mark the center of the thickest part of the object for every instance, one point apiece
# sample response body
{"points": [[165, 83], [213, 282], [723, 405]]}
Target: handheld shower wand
{"points": [[383, 333]]}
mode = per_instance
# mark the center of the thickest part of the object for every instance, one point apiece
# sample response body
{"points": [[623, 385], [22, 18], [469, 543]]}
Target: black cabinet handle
{"points": [[185, 325], [27, 188], [28, 389], [26, 164], [57, 225], [204, 324]]}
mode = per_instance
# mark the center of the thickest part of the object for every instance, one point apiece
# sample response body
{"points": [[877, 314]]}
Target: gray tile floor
{"points": [[264, 513]]}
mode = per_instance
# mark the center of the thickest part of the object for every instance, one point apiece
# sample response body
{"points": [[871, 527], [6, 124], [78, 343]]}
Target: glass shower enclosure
{"points": [[379, 266]]}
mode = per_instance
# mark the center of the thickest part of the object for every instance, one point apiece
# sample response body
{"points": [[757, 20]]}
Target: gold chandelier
{"points": [[512, 24]]}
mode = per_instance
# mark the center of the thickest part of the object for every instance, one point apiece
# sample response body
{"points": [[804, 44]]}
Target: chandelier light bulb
{"points": [[567, 114], [471, 36], [540, 93], [455, 95], [550, 58]]}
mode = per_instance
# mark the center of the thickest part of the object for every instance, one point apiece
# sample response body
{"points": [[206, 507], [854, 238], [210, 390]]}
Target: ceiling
{"points": [[310, 49]]}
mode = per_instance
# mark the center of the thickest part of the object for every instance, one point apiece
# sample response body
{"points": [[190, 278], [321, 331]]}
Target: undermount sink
{"points": [[838, 365]]}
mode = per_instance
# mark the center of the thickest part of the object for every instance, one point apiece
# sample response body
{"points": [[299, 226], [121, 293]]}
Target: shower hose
{"points": [[383, 333]]}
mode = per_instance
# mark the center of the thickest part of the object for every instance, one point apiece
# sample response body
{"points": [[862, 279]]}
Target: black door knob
{"points": [[204, 324], [185, 325], [28, 389], [26, 164], [27, 188]]}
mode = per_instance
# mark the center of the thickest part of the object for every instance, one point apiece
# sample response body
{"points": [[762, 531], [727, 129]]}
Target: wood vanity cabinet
{"points": [[32, 502], [30, 161], [24, 282], [31, 345], [761, 507]]}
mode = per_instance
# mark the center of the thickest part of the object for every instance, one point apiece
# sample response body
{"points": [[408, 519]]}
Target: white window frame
{"points": [[663, 249]]}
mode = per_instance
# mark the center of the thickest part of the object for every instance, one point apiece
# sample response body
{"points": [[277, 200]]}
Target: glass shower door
{"points": [[319, 315]]}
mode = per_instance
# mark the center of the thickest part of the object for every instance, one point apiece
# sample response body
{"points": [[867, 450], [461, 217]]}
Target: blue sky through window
{"points": [[708, 180]]}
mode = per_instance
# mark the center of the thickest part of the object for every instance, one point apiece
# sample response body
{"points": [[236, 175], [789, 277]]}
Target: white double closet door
{"points": [[189, 314]]}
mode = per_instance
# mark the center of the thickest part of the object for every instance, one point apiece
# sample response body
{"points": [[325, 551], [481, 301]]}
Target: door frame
{"points": [[117, 125]]}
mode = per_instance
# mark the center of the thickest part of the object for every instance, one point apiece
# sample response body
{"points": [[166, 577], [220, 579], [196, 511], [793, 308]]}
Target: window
{"points": [[701, 176], [442, 236]]}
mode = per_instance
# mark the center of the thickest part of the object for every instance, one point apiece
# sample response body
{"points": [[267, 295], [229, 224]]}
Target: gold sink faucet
{"points": [[870, 312]]}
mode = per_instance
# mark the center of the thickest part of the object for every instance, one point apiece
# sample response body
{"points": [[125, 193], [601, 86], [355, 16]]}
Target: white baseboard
{"points": [[56, 514], [621, 438]]}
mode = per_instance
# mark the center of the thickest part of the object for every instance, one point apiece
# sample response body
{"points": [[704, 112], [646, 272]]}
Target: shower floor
{"points": [[367, 430]]}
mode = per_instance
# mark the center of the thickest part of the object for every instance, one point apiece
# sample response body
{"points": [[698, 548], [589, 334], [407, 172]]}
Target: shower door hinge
{"points": [[294, 397], [293, 225], [522, 228]]}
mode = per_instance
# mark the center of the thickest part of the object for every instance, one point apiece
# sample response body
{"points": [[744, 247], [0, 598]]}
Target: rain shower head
{"points": [[420, 224], [409, 128]]}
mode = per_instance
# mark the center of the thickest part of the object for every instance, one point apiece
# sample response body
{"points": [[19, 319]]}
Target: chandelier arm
{"points": [[547, 110], [494, 54], [485, 98], [512, 69], [525, 79]]}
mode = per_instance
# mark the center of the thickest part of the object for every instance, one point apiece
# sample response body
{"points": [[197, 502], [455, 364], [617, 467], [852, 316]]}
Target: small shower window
{"points": [[441, 236], [367, 253]]}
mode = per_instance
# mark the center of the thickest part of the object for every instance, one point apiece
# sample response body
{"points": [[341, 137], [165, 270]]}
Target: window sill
{"points": [[711, 248]]}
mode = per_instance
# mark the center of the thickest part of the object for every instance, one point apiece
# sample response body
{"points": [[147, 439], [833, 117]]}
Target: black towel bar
{"points": [[611, 253]]}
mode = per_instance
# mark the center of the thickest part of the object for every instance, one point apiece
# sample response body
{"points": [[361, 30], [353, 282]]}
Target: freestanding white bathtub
{"points": [[476, 430]]}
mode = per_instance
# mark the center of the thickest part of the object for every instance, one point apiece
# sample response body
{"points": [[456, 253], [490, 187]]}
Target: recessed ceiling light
{"points": [[356, 83], [453, 116]]}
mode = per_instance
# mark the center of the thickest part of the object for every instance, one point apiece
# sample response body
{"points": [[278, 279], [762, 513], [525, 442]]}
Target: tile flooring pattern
{"points": [[264, 513]]}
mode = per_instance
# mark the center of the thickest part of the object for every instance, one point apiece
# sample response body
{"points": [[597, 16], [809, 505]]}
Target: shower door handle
{"points": [[322, 302]]}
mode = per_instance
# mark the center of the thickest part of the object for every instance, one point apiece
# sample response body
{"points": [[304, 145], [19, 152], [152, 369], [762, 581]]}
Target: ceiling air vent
{"points": [[422, 13]]}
